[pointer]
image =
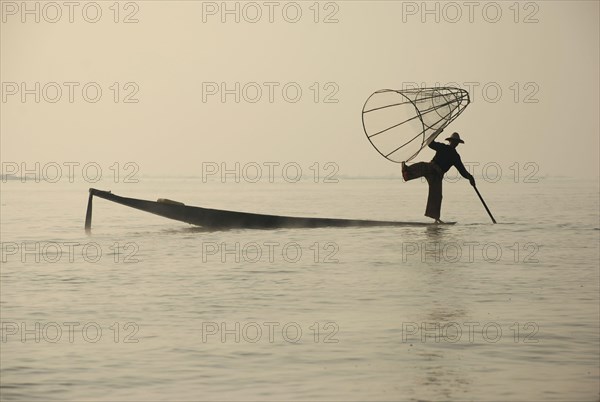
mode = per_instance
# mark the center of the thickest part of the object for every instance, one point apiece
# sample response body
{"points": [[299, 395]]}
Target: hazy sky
{"points": [[176, 58]]}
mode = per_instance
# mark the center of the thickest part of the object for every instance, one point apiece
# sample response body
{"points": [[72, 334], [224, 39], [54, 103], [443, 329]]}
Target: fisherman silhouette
{"points": [[445, 157]]}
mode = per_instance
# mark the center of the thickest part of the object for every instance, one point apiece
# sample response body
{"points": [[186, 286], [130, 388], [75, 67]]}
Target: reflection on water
{"points": [[389, 301], [442, 322]]}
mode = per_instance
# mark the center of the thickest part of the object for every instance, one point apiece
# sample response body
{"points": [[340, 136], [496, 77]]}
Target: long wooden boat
{"points": [[219, 219]]}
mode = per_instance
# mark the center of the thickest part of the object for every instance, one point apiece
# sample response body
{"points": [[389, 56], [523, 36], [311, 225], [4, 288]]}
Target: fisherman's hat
{"points": [[455, 137]]}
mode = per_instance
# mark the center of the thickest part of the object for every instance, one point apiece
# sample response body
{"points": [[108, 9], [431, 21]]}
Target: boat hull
{"points": [[221, 219]]}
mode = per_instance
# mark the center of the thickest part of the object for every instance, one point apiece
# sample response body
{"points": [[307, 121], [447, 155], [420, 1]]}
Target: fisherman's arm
{"points": [[436, 145], [464, 172]]}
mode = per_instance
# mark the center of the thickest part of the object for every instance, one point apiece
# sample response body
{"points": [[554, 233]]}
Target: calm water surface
{"points": [[146, 308]]}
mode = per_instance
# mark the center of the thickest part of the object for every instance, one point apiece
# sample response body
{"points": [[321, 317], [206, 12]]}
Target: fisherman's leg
{"points": [[416, 170], [434, 198]]}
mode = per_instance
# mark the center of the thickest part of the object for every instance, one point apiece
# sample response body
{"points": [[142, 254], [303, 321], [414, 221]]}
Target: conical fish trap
{"points": [[399, 123]]}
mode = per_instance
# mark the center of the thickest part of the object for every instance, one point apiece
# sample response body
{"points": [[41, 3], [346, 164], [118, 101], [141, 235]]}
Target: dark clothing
{"points": [[445, 157], [434, 176]]}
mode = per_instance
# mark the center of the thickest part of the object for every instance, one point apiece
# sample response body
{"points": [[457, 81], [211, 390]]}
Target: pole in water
{"points": [[483, 202], [88, 214]]}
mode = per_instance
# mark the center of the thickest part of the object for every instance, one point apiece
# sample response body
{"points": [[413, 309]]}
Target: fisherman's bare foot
{"points": [[438, 221], [404, 172]]}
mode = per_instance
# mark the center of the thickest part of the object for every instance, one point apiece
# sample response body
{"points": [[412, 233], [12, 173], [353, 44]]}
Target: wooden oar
{"points": [[484, 204]]}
